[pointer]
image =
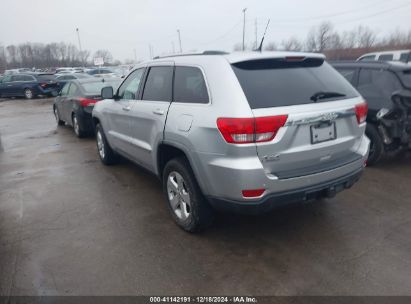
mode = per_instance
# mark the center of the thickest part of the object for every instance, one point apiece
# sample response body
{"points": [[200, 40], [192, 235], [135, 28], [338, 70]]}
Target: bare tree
{"points": [[105, 54], [365, 37], [291, 44], [271, 46], [318, 38]]}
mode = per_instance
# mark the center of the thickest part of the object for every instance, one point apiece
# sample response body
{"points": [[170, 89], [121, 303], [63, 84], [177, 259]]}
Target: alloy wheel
{"points": [[178, 195], [28, 94], [100, 144]]}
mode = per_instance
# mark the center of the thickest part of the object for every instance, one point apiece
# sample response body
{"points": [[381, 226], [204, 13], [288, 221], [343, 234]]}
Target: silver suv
{"points": [[246, 131]]}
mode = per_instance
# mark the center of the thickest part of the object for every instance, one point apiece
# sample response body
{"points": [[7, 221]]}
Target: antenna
{"points": [[260, 48]]}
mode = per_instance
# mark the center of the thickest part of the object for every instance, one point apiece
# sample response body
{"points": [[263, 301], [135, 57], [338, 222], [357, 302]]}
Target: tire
{"points": [[57, 116], [28, 94], [107, 155], [77, 127], [376, 145], [189, 208]]}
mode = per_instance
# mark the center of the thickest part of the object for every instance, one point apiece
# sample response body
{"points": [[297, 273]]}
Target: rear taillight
{"points": [[253, 193], [250, 130], [85, 102], [43, 85], [361, 111]]}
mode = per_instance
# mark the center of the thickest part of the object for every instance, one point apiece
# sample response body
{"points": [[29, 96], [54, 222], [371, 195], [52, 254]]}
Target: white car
{"points": [[399, 55]]}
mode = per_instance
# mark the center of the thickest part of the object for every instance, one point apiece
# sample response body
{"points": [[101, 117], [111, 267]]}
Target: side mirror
{"points": [[107, 93]]}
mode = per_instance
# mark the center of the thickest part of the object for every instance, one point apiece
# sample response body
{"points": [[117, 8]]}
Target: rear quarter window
{"points": [[189, 85], [276, 82]]}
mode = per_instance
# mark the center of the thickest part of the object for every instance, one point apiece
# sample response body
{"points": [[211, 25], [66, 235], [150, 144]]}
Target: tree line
{"points": [[42, 55], [339, 45]]}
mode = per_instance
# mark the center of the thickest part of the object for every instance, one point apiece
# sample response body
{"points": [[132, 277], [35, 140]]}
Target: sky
{"points": [[127, 28]]}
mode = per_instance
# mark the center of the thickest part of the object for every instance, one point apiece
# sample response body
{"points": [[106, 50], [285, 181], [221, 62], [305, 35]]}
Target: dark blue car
{"points": [[28, 85]]}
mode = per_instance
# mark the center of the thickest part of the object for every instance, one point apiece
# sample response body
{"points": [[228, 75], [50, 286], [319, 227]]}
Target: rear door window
{"points": [[189, 85], [276, 82], [158, 86], [386, 57]]}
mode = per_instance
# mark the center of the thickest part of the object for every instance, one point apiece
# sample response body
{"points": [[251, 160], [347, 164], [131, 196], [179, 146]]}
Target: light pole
{"points": [[79, 45], [179, 40], [244, 10]]}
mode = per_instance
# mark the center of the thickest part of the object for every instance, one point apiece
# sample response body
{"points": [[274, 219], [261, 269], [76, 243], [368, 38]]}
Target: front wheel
{"points": [[57, 117], [28, 94], [186, 203], [77, 127], [107, 155]]}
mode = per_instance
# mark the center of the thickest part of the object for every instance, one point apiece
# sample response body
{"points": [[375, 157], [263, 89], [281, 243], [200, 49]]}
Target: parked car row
{"points": [[246, 132], [28, 85], [31, 85]]}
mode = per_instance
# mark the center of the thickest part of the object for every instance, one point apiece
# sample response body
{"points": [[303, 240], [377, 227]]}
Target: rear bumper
{"points": [[275, 200], [223, 179]]}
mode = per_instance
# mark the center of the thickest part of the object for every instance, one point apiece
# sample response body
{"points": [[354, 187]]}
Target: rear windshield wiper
{"points": [[325, 95]]}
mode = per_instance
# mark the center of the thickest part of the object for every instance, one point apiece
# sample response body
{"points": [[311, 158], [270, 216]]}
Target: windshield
{"points": [[277, 82], [94, 88]]}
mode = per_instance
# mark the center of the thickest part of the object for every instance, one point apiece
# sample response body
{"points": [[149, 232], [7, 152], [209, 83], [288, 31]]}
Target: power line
{"points": [[304, 19], [374, 14]]}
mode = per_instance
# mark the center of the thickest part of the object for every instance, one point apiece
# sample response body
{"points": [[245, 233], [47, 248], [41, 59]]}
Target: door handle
{"points": [[126, 108], [158, 112]]}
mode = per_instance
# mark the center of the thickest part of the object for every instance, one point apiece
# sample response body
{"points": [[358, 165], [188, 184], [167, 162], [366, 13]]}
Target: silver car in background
{"points": [[245, 131]]}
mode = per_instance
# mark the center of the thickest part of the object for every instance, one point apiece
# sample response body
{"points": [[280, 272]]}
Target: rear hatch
{"points": [[321, 115]]}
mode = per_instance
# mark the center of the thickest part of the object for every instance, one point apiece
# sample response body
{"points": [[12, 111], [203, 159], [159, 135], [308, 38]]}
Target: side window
{"points": [[377, 86], [28, 78], [368, 58], [7, 78], [405, 57], [347, 73], [73, 91], [189, 85], [69, 77], [158, 85], [386, 57], [16, 78], [65, 89], [129, 88]]}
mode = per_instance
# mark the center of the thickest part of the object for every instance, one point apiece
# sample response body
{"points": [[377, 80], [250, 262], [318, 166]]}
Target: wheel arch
{"points": [[166, 152]]}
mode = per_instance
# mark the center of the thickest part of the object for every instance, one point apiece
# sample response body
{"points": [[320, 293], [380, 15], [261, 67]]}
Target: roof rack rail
{"points": [[211, 52]]}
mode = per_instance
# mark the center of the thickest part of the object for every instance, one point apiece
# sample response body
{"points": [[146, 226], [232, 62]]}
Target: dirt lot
{"points": [[70, 226]]}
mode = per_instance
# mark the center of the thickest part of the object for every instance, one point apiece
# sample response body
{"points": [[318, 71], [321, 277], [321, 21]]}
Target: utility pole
{"points": [[244, 10], [79, 45], [179, 40], [256, 39], [151, 50]]}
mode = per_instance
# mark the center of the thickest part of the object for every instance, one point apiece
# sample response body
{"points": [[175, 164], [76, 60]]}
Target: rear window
{"points": [[405, 57], [94, 88], [276, 82], [406, 78]]}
